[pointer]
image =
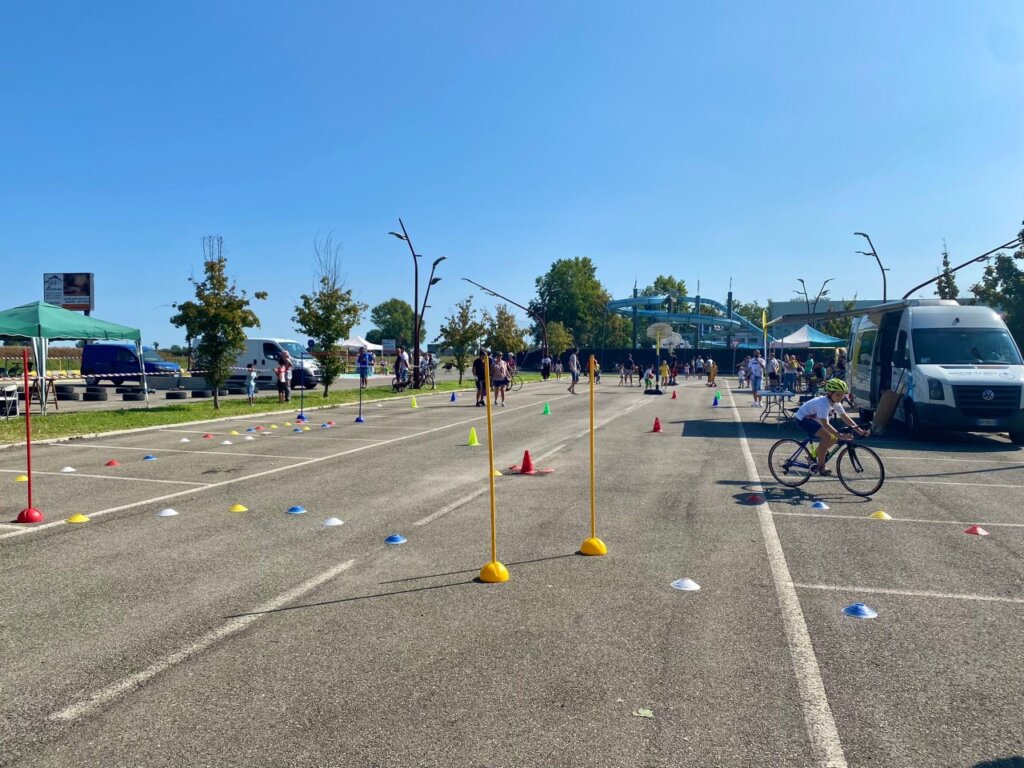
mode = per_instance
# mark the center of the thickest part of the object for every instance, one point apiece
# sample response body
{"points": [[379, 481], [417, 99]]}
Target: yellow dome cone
{"points": [[21, 479], [880, 515], [238, 508], [472, 437], [413, 403], [273, 426], [497, 474], [234, 432], [494, 573], [79, 518], [594, 547]]}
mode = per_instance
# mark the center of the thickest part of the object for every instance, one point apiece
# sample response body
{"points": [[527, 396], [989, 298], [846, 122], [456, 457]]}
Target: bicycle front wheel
{"points": [[790, 462], [860, 470], [517, 383], [428, 381]]}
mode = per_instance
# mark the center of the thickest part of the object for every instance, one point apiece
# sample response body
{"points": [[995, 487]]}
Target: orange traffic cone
{"points": [[674, 395], [657, 425]]}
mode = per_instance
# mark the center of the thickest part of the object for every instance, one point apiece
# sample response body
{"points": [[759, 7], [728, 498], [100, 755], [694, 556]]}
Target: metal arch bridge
{"points": [[629, 306]]}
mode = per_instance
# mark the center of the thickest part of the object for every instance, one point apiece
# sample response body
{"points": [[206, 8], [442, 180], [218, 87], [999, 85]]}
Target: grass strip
{"points": [[62, 425]]}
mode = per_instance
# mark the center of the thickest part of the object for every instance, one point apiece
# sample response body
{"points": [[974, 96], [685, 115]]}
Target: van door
{"points": [[901, 359], [271, 352], [887, 332]]}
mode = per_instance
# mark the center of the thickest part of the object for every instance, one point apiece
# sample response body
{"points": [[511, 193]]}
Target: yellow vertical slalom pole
{"points": [[494, 572], [593, 545]]}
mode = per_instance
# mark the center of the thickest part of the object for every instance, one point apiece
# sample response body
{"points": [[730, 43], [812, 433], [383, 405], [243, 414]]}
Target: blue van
{"points": [[119, 363]]}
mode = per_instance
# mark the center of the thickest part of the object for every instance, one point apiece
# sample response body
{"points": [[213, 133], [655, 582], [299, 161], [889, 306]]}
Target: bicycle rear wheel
{"points": [[517, 383], [860, 470], [790, 462]]}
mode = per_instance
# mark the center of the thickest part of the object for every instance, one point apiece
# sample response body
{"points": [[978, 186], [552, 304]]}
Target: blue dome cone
{"points": [[360, 420], [860, 611], [297, 429], [149, 458], [251, 429], [819, 505], [395, 538], [296, 510]]}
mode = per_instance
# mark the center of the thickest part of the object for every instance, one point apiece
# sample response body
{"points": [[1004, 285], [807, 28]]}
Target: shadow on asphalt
{"points": [[1005, 762], [794, 497], [341, 600]]}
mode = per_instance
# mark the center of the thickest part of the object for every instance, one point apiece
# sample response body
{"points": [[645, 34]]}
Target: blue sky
{"points": [[708, 141]]}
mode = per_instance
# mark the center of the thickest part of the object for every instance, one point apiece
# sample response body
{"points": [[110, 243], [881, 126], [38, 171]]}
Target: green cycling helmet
{"points": [[836, 385]]}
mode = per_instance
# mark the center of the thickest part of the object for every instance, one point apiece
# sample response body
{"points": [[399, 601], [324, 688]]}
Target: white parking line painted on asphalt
{"points": [[912, 593], [264, 473], [821, 725], [969, 485], [112, 691], [868, 519], [109, 477], [196, 451]]}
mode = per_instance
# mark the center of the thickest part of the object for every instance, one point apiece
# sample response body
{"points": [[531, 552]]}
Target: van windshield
{"points": [[294, 349], [151, 356], [964, 346]]}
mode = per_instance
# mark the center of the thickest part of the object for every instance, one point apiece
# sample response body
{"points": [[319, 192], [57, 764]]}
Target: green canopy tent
{"points": [[43, 323]]}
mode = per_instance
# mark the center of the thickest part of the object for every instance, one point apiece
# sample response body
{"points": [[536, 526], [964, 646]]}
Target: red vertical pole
{"points": [[30, 514], [28, 425]]}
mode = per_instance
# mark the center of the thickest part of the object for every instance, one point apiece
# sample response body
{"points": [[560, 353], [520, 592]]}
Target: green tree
{"points": [[750, 310], [328, 314], [393, 319], [463, 332], [503, 335], [217, 319], [571, 294], [559, 339], [1002, 286], [946, 287]]}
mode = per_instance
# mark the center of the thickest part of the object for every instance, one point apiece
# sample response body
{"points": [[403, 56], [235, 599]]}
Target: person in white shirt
{"points": [[755, 372], [813, 417]]}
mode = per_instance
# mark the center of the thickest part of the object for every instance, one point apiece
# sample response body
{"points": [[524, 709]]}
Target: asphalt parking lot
{"points": [[262, 638]]}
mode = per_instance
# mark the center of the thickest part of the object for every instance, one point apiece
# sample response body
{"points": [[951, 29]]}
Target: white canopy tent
{"points": [[806, 337], [357, 342]]}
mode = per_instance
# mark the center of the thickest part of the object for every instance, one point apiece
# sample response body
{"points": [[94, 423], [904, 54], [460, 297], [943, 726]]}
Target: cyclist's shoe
{"points": [[824, 472]]}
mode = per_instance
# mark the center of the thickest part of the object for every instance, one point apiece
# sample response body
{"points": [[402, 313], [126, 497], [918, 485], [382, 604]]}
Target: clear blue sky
{"points": [[707, 141]]}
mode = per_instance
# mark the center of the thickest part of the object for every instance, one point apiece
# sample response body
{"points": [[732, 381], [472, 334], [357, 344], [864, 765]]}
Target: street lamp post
{"points": [[875, 254], [821, 293], [417, 315]]}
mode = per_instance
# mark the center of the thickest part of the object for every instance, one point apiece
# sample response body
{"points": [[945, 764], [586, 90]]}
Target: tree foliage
{"points": [[571, 294], [503, 334], [946, 287], [463, 332], [559, 339], [328, 313], [392, 319], [217, 319], [840, 326], [1002, 286]]}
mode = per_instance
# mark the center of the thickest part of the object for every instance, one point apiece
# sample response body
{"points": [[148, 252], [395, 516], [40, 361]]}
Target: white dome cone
{"points": [[227, 442], [68, 469], [166, 513], [184, 440], [685, 585], [332, 521]]}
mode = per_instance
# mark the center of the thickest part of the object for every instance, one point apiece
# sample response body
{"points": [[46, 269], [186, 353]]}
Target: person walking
{"points": [[628, 367], [574, 369], [755, 371], [481, 381], [499, 377], [545, 366], [364, 364], [281, 378]]}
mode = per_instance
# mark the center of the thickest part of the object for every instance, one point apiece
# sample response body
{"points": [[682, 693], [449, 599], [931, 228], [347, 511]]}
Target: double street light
{"points": [[807, 299], [417, 312], [875, 254]]}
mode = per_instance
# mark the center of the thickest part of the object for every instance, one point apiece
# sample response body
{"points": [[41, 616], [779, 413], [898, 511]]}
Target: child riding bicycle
{"points": [[813, 417]]}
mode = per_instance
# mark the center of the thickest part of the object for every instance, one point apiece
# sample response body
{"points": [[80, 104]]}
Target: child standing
{"points": [[250, 383]]}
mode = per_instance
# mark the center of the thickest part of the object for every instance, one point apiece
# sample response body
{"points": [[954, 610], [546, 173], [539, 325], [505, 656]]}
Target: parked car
{"points": [[119, 363]]}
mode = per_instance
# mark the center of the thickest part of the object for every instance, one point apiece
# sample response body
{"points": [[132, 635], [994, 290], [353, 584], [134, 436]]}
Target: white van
{"points": [[958, 367], [264, 353]]}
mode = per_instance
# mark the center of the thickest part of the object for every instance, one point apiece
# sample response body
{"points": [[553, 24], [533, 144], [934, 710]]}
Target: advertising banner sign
{"points": [[70, 290]]}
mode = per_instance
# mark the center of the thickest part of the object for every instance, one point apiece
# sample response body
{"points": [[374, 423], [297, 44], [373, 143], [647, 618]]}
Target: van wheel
{"points": [[1017, 438], [914, 428], [92, 381]]}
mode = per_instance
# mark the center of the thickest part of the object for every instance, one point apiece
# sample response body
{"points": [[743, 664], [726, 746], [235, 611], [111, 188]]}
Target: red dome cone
{"points": [[976, 530], [113, 463], [755, 498], [207, 436], [657, 425], [30, 515], [674, 395]]}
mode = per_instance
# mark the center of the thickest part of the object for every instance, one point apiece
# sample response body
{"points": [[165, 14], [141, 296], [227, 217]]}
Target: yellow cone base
{"points": [[496, 473], [21, 479], [494, 573], [880, 515], [593, 546], [79, 518], [238, 508]]}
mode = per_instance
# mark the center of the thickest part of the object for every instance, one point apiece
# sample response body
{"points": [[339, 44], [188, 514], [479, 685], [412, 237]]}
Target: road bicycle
{"points": [[859, 469], [515, 383], [426, 381]]}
